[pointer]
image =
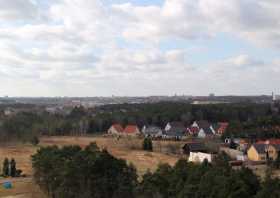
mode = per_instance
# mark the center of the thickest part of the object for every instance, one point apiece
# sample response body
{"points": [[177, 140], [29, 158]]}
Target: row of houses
{"points": [[176, 130], [260, 151], [263, 151]]}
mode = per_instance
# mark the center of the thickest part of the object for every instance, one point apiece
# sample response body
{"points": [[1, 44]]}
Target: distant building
{"points": [[193, 147], [199, 157], [151, 131], [257, 152], [10, 111], [221, 128], [273, 151], [205, 129], [175, 130], [131, 130], [193, 131], [115, 129]]}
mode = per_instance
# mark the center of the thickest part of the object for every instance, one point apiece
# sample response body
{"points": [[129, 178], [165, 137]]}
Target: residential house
{"points": [[199, 157], [273, 151], [193, 131], [10, 111], [257, 152], [115, 129], [205, 129], [221, 128], [151, 131], [131, 130], [193, 147], [175, 130]]}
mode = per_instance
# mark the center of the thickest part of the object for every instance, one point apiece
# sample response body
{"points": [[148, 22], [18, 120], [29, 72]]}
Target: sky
{"points": [[139, 47]]}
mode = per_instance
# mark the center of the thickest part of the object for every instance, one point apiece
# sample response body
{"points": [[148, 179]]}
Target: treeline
{"points": [[27, 126], [161, 113], [246, 119], [264, 127], [94, 173]]}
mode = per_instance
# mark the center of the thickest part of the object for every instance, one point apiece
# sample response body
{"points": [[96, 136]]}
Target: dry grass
{"points": [[124, 148], [22, 188]]}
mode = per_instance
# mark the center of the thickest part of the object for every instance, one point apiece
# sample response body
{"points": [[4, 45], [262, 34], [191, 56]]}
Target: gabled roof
{"points": [[176, 131], [208, 131], [177, 124], [131, 129], [118, 128], [195, 146], [276, 146], [260, 148], [151, 129], [203, 124]]}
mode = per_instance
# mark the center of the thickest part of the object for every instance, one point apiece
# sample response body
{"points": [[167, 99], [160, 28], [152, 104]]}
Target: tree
{"points": [[270, 189], [232, 144], [6, 168], [147, 144], [83, 173], [13, 169], [35, 140]]}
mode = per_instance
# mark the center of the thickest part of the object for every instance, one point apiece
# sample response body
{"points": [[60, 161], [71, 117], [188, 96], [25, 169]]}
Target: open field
{"points": [[124, 148]]}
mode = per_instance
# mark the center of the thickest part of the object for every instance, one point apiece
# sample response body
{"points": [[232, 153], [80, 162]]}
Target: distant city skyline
{"points": [[139, 47]]}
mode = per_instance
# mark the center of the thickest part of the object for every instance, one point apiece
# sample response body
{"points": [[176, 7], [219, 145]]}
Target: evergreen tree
{"points": [[147, 144], [13, 168], [6, 168]]}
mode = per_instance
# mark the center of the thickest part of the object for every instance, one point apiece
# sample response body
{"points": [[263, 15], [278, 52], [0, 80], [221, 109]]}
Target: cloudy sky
{"points": [[139, 47]]}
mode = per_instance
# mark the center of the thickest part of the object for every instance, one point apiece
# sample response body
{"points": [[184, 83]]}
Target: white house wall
{"points": [[199, 157]]}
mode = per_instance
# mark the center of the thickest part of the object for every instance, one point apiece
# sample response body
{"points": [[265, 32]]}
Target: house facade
{"points": [[221, 128], [151, 131], [205, 129], [175, 130], [199, 157], [273, 151], [257, 152]]}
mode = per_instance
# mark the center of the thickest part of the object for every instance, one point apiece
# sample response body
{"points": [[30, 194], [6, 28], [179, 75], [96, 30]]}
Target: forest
{"points": [[248, 120]]}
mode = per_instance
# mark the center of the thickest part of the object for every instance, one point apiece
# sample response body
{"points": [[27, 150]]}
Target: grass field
{"points": [[129, 149], [124, 148]]}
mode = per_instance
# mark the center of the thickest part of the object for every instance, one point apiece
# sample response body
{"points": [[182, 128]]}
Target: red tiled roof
{"points": [[118, 127], [270, 141], [131, 129]]}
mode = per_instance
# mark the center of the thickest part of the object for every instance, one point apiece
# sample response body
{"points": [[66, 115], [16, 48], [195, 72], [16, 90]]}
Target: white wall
{"points": [[200, 157]]}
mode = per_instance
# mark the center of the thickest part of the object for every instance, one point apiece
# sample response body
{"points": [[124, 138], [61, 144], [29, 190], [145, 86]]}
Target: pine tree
{"points": [[13, 168], [150, 144], [147, 144], [6, 167]]}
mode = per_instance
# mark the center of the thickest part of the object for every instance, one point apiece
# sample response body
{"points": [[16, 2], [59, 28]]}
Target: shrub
{"points": [[35, 140]]}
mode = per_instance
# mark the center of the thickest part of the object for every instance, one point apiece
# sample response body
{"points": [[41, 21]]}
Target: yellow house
{"points": [[273, 151], [257, 152]]}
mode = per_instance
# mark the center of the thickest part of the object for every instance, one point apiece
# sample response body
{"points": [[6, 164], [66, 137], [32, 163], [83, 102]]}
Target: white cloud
{"points": [[18, 10], [253, 20], [88, 45]]}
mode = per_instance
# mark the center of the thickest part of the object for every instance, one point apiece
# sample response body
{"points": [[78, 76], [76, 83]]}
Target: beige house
{"points": [[257, 152], [273, 151]]}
